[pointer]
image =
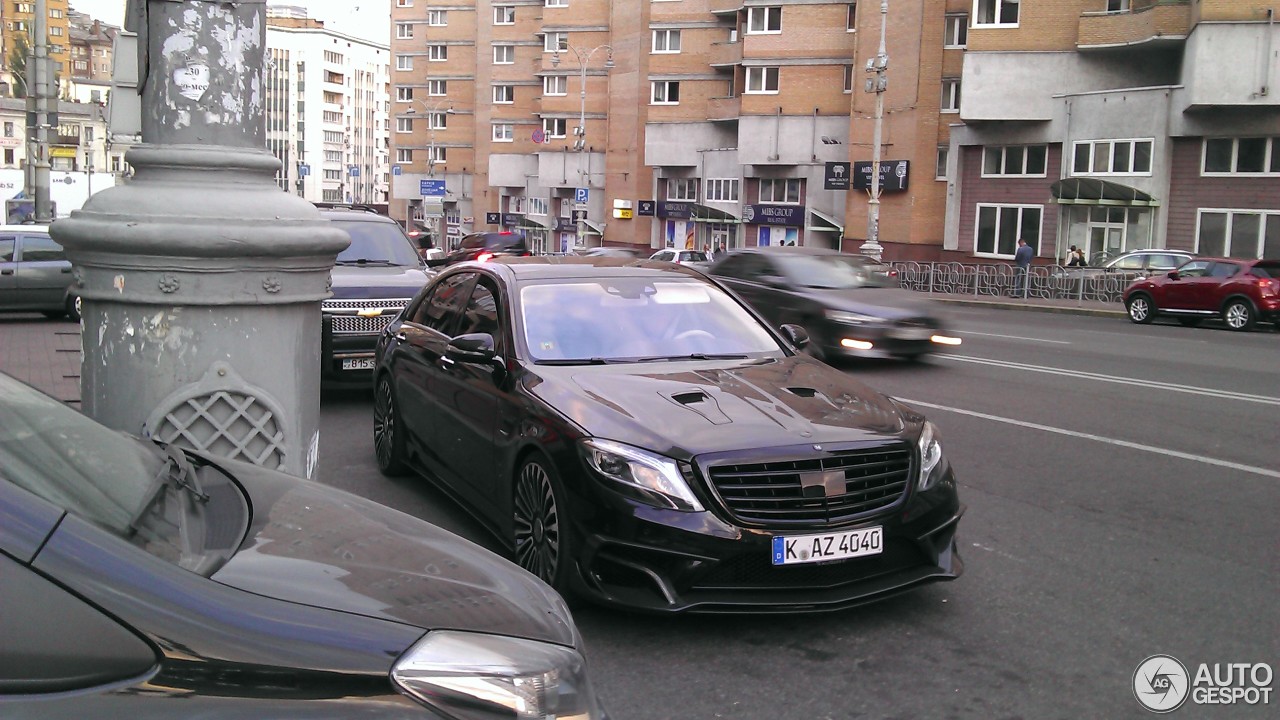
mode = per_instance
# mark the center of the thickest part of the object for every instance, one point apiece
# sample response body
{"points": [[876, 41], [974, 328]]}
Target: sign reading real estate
{"points": [[677, 210], [773, 215], [893, 175]]}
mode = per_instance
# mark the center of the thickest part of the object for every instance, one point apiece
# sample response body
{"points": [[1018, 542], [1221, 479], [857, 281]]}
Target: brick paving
{"points": [[44, 353]]}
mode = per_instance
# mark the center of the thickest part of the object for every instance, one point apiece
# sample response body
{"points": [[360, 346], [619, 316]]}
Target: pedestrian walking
{"points": [[1022, 257]]}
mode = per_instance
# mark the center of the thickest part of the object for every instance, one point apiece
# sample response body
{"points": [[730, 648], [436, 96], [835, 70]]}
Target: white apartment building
{"points": [[327, 111]]}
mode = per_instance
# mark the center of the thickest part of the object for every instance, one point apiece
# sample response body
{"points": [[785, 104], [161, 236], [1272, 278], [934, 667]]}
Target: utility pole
{"points": [[580, 143], [878, 84], [40, 114]]}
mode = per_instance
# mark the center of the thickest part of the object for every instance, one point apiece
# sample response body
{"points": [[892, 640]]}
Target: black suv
{"points": [[373, 280], [483, 246]]}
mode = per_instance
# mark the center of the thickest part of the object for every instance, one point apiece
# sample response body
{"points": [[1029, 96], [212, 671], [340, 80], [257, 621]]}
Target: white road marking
{"points": [[1013, 337], [1266, 472], [1137, 382]]}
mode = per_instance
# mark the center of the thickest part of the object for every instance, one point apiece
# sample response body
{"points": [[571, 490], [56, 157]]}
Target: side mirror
{"points": [[474, 348], [436, 262], [797, 335], [1173, 275]]}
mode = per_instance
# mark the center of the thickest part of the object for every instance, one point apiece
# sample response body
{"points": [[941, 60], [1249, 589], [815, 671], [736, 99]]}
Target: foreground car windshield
{"points": [[832, 272], [377, 243], [621, 319]]}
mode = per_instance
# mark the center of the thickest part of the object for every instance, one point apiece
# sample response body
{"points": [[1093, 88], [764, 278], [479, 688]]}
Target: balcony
{"points": [[724, 7], [725, 54], [724, 108], [1146, 21]]}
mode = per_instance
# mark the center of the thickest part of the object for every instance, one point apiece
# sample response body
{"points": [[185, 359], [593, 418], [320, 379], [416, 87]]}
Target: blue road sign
{"points": [[304, 170], [354, 171], [580, 196], [396, 170], [431, 188]]}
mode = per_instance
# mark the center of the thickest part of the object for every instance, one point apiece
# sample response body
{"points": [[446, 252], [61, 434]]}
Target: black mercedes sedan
{"points": [[139, 580], [850, 305], [638, 436]]}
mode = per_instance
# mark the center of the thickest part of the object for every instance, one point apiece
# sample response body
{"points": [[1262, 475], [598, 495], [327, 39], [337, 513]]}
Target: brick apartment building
{"points": [[1110, 124], [17, 23]]}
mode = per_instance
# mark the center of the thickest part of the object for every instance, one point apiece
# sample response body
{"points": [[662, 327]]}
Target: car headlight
{"points": [[658, 478], [472, 676], [932, 465], [850, 318]]}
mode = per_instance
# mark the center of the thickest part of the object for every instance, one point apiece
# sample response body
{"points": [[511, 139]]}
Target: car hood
{"points": [[890, 303], [372, 281], [314, 545], [683, 409]]}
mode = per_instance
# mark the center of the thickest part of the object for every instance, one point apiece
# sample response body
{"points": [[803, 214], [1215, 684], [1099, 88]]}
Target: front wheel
{"points": [[1238, 315], [388, 436], [74, 305], [1141, 309], [541, 539]]}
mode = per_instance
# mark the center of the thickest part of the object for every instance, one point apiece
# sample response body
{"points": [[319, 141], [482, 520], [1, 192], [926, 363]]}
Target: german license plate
{"points": [[911, 333], [831, 546], [357, 364]]}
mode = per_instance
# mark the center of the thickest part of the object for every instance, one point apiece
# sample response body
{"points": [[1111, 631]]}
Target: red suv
{"points": [[1241, 292]]}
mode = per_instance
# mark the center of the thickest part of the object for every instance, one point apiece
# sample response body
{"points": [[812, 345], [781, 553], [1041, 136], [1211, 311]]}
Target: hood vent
{"points": [[701, 403]]}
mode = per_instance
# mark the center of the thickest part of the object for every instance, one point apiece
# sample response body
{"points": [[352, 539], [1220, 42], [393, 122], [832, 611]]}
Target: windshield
{"points": [[833, 271], [1266, 269], [629, 319], [692, 256], [376, 243]]}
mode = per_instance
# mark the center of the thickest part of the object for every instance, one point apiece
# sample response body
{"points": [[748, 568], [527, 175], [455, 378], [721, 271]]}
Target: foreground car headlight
{"points": [[658, 478], [932, 465], [472, 676], [851, 318]]}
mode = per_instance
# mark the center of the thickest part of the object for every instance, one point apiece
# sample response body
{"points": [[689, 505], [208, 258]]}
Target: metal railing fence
{"points": [[1046, 282]]}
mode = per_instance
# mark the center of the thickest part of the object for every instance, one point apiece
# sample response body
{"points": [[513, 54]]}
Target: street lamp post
{"points": [[878, 83], [583, 56], [432, 112]]}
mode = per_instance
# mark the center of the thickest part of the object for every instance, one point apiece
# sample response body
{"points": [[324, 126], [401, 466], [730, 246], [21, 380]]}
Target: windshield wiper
{"points": [[175, 472], [694, 356], [366, 261], [578, 361]]}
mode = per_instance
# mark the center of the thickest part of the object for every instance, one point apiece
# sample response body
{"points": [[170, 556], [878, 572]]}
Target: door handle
{"points": [[6, 271], [66, 271]]}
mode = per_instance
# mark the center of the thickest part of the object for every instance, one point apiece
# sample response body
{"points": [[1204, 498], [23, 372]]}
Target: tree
{"points": [[17, 66]]}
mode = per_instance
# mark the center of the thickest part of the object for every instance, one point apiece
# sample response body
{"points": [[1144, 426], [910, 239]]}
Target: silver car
{"points": [[35, 274]]}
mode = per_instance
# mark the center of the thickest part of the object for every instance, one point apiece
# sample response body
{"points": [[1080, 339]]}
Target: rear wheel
{"points": [[73, 308], [388, 436], [1141, 309], [541, 541], [1238, 315], [1189, 322]]}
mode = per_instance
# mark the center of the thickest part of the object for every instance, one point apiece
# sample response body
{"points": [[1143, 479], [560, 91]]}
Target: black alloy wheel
{"points": [[1238, 315], [1141, 309], [74, 305], [541, 544], [388, 440]]}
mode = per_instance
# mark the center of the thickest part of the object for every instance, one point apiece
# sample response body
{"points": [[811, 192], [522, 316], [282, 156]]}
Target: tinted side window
{"points": [[481, 314], [41, 248], [1133, 262], [7, 248], [733, 267], [441, 310], [1196, 268], [472, 241], [1223, 270], [1163, 262]]}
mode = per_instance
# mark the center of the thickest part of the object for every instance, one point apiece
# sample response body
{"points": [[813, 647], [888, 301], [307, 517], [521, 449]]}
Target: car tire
{"points": [[1141, 310], [1239, 315], [540, 535], [1190, 322], [388, 438], [74, 306]]}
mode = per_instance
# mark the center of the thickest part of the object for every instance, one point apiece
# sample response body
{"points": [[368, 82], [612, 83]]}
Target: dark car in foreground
{"points": [[636, 435], [35, 274], [485, 246], [140, 580], [373, 279], [1241, 292], [850, 305]]}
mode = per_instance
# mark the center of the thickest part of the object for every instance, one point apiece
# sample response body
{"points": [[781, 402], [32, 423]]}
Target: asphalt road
{"points": [[1122, 484]]}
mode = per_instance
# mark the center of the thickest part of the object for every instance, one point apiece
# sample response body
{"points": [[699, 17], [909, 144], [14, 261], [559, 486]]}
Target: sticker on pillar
{"points": [[192, 81]]}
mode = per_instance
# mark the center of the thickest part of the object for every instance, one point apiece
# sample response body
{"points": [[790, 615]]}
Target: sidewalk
{"points": [[44, 353], [1095, 308]]}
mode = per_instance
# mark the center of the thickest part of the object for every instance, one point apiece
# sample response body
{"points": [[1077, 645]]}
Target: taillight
{"points": [[484, 257], [1268, 285]]}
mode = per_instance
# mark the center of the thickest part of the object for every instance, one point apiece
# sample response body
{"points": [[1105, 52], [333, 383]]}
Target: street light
{"points": [[432, 111], [584, 59], [878, 67]]}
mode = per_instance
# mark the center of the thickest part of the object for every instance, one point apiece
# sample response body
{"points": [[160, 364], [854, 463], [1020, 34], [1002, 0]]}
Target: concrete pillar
{"points": [[201, 279]]}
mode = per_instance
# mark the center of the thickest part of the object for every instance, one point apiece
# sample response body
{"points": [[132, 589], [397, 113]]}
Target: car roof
{"points": [[1157, 251], [553, 267], [25, 228], [354, 215]]}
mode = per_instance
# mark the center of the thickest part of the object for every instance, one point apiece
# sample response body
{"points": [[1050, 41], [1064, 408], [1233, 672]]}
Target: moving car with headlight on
{"points": [[638, 436], [140, 580], [850, 305]]}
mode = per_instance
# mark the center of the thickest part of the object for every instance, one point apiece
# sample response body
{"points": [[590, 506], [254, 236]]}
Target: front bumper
{"points": [[663, 561], [872, 341]]}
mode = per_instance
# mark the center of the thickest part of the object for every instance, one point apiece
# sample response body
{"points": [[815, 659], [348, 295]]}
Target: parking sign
{"points": [[580, 196]]}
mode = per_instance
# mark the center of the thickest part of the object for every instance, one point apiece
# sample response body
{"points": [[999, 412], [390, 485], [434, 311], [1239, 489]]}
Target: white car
{"points": [[681, 257]]}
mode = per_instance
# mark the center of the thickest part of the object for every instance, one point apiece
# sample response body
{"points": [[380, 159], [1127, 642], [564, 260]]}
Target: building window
{"points": [[332, 57], [1116, 6], [950, 95], [504, 94], [55, 13], [1238, 233], [437, 88], [437, 53], [1014, 160], [332, 195], [404, 62], [761, 20], [404, 155], [998, 13], [437, 18], [722, 190], [332, 174], [762, 80], [1241, 156], [404, 31], [504, 15], [333, 156], [404, 3], [335, 137], [436, 154], [682, 189], [940, 167], [504, 54], [554, 127], [1112, 157], [851, 19], [437, 121], [8, 129], [666, 41], [555, 85], [503, 132], [848, 78], [555, 42], [1001, 226], [55, 31], [332, 116], [555, 3], [780, 190], [666, 92], [538, 206], [404, 94], [956, 33]]}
